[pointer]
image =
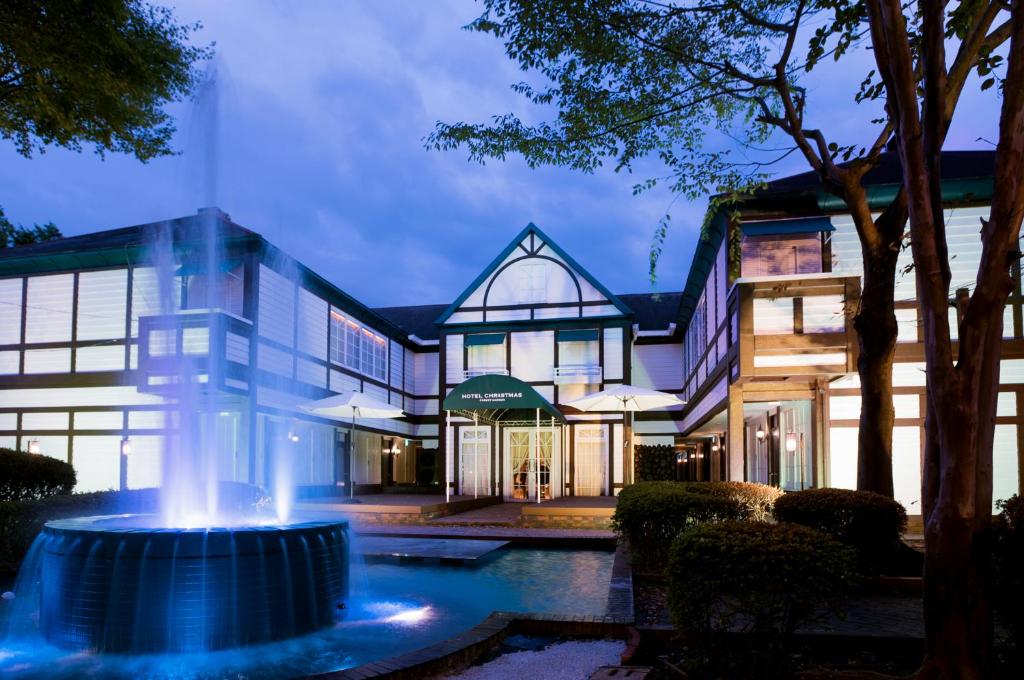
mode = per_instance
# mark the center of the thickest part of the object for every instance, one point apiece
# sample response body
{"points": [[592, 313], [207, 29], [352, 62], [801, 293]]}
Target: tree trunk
{"points": [[876, 335]]}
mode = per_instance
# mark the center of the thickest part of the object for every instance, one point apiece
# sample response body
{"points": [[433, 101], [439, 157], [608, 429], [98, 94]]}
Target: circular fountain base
{"points": [[111, 584]]}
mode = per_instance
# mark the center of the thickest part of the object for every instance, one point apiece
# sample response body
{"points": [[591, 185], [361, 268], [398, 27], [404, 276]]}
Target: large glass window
{"points": [[358, 348]]}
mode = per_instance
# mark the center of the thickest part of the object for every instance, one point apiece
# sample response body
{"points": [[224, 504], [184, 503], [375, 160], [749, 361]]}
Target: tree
{"points": [[961, 397], [635, 78], [96, 73], [17, 235]]}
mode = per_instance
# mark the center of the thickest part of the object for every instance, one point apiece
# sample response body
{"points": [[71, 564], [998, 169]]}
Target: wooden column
{"points": [[735, 434]]}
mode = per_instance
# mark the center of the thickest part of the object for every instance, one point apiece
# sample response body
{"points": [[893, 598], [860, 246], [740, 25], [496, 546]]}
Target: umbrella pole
{"points": [[352, 457], [447, 454]]}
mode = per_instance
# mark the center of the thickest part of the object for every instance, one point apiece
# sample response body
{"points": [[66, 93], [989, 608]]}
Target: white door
{"points": [[533, 464], [591, 456], [475, 461]]}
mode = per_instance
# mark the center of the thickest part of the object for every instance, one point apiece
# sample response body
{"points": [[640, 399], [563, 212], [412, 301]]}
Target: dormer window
{"points": [[533, 282]]}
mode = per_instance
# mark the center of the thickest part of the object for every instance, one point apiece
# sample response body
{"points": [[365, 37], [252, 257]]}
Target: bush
{"points": [[758, 500], [655, 463], [870, 523], [651, 514], [1008, 572], [761, 579], [27, 476]]}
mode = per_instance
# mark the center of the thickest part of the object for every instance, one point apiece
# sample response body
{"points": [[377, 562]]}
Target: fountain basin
{"points": [[113, 584]]}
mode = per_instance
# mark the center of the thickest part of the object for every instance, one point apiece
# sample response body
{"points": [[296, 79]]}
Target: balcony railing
{"points": [[484, 370], [578, 373]]}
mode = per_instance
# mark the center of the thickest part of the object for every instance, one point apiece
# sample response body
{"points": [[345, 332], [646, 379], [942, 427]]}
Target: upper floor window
{"points": [[358, 348], [533, 282], [782, 255], [485, 353]]}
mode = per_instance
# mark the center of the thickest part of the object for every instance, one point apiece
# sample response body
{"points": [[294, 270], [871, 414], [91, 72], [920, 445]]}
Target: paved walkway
{"points": [[504, 514], [493, 533]]}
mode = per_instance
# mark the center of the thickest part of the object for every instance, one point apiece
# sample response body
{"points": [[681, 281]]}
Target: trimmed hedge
{"points": [[758, 500], [762, 579], [27, 476], [651, 514], [1008, 573], [870, 523], [655, 463]]}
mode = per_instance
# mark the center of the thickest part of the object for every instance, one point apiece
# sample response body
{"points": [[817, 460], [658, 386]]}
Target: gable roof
{"points": [[534, 230], [653, 311], [418, 320]]}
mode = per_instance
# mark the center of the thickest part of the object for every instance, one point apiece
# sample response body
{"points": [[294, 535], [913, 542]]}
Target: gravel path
{"points": [[575, 660]]}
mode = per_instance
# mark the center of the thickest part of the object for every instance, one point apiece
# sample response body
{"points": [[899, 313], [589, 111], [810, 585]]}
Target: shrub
{"points": [[655, 463], [1008, 572], [761, 579], [868, 522], [758, 500], [651, 514], [25, 476]]}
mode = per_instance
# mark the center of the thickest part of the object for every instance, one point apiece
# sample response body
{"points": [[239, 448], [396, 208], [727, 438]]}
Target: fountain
{"points": [[199, 575]]}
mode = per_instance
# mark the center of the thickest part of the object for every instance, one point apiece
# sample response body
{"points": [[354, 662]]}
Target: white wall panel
{"points": [[906, 467], [658, 366], [312, 321], [425, 374], [10, 311], [147, 420], [842, 453], [236, 348], [10, 362], [397, 354], [98, 420], [554, 313], [8, 421], [613, 353], [274, 360], [102, 304], [600, 310], [48, 314], [1004, 463], [97, 462], [46, 420], [466, 317], [533, 355], [48, 361], [453, 359], [508, 314], [311, 372], [145, 295], [276, 307], [77, 396], [342, 382], [100, 358], [144, 469]]}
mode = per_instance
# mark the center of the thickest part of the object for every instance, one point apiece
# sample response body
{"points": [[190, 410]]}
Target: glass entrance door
{"points": [[475, 459], [529, 476], [590, 454]]}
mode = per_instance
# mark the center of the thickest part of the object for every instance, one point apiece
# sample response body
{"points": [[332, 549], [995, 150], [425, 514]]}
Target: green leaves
{"points": [[96, 73], [18, 235]]}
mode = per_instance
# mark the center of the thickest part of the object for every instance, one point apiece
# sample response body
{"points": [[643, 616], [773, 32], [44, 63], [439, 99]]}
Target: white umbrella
{"points": [[625, 398], [352, 405]]}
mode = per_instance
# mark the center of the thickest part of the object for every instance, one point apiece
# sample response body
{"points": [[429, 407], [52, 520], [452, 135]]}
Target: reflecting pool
{"points": [[393, 608]]}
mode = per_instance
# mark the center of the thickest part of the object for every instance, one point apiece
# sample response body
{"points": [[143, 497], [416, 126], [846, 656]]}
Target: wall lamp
{"points": [[126, 446], [33, 446]]}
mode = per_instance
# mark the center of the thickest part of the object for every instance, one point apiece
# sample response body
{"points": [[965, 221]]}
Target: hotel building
{"points": [[759, 344]]}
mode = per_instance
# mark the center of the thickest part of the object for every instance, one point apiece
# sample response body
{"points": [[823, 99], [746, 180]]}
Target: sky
{"points": [[324, 107]]}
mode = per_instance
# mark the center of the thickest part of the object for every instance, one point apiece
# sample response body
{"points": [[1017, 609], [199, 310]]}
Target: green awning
{"points": [[582, 335], [484, 339], [500, 397], [803, 225]]}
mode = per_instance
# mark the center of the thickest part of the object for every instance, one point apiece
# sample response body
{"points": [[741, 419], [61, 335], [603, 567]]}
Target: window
{"points": [[358, 348], [533, 283]]}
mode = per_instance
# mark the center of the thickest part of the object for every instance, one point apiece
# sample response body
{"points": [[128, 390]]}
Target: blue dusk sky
{"points": [[324, 109]]}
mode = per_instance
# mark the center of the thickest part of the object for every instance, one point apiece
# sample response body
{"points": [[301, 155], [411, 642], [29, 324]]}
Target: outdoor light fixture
{"points": [[715, 447], [775, 432], [791, 442], [679, 457], [760, 433], [126, 446], [33, 446], [293, 437]]}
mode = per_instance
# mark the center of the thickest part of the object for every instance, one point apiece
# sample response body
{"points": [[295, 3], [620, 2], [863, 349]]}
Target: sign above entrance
{"points": [[501, 395]]}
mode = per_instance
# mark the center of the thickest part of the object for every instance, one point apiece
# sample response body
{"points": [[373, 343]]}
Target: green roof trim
{"points": [[581, 335], [501, 397], [532, 228], [479, 339], [799, 225]]}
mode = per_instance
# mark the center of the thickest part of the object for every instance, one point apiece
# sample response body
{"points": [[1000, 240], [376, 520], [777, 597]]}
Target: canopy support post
{"points": [[476, 455], [447, 453], [536, 447]]}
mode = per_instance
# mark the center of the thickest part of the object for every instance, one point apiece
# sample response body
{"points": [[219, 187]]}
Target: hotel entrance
{"points": [[533, 464], [780, 444], [529, 430]]}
